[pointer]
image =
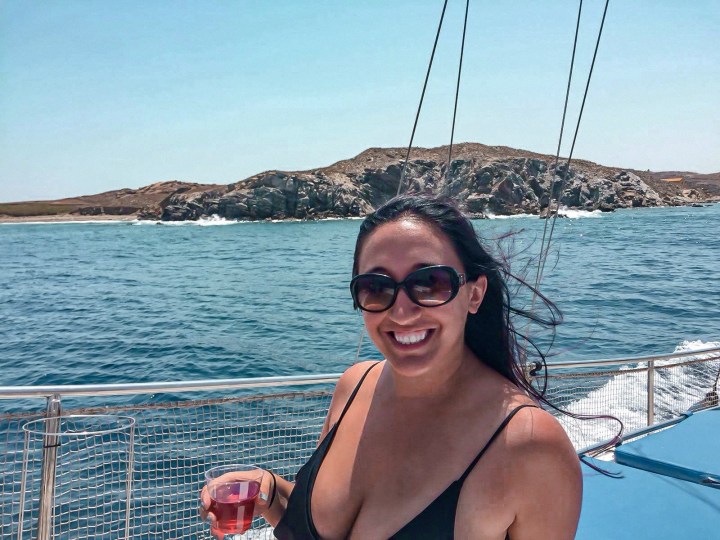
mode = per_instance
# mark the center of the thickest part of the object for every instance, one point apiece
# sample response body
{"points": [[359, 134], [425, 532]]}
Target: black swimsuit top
{"points": [[435, 522]]}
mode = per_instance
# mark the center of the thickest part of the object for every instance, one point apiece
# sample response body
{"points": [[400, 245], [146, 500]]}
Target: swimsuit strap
{"points": [[354, 393], [494, 436]]}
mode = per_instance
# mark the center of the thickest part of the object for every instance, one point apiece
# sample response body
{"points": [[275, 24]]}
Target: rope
{"points": [[457, 93], [412, 137], [557, 153], [422, 98], [572, 148], [359, 345]]}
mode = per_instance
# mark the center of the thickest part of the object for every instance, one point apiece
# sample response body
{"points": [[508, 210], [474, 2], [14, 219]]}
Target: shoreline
{"points": [[64, 218], [74, 218]]}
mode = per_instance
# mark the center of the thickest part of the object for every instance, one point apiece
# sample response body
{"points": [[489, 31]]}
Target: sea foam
{"points": [[515, 216], [578, 214], [625, 395], [211, 221]]}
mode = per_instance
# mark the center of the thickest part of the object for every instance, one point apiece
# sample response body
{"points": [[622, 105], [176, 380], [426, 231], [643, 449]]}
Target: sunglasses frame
{"points": [[457, 280]]}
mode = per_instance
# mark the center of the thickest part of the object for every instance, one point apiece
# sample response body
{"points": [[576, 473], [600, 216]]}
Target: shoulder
{"points": [[529, 484], [545, 473], [535, 437], [533, 428], [344, 388]]}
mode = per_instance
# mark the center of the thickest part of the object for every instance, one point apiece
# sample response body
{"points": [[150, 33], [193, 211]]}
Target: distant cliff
{"points": [[483, 179]]}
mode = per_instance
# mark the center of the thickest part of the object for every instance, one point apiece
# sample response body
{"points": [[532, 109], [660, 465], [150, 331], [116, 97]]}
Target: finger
{"points": [[205, 498], [261, 503], [210, 518]]}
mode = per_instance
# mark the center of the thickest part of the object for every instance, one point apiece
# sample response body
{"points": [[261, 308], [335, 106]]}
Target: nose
{"points": [[403, 309]]}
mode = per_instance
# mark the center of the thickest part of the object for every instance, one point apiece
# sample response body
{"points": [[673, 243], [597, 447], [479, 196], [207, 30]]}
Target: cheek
{"points": [[457, 315], [371, 321]]}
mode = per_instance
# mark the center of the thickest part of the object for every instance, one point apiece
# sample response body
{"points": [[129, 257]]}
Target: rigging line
{"points": [[577, 129], [542, 255], [457, 94], [360, 340], [412, 137], [422, 97]]}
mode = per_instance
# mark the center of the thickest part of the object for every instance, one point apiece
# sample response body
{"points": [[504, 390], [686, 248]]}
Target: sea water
{"points": [[140, 301]]}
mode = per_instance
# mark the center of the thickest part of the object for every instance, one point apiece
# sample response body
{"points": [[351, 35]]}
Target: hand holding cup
{"points": [[232, 496]]}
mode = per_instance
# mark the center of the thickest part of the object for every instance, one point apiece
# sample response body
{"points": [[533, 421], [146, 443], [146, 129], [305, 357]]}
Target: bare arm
{"points": [[345, 386], [275, 489], [274, 512], [546, 481]]}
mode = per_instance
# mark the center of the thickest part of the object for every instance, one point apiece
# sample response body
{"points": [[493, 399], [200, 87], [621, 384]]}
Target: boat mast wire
{"points": [[417, 117], [557, 153], [457, 93], [544, 254], [422, 97]]}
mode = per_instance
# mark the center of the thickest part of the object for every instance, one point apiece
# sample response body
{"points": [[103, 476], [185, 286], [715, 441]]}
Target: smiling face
{"points": [[412, 338]]}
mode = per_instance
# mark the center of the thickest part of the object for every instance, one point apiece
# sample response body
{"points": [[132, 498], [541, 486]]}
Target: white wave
{"points": [[214, 221], [188, 223], [515, 216], [577, 214], [697, 345], [349, 218], [143, 222], [562, 212], [211, 221], [624, 396], [287, 220], [309, 220]]}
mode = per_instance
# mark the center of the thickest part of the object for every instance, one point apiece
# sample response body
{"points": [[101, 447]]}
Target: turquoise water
{"points": [[134, 302]]}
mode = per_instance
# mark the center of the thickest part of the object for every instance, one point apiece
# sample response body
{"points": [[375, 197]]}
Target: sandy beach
{"points": [[61, 218]]}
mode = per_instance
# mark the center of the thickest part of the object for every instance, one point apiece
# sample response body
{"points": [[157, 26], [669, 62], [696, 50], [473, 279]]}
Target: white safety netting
{"points": [[175, 442]]}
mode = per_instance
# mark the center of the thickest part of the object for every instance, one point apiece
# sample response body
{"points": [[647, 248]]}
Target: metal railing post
{"points": [[651, 393], [49, 463], [129, 481]]}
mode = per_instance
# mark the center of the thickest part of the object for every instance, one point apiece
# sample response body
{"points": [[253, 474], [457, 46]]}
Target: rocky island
{"points": [[485, 180]]}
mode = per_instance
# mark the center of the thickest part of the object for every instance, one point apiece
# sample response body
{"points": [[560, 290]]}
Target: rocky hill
{"points": [[484, 179], [117, 203]]}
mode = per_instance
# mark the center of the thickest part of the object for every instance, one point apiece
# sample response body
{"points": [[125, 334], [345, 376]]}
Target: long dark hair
{"points": [[490, 333]]}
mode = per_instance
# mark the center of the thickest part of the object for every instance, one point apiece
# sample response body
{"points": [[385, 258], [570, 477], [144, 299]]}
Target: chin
{"points": [[410, 365]]}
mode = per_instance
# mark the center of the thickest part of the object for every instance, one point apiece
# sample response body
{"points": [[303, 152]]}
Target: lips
{"points": [[407, 339]]}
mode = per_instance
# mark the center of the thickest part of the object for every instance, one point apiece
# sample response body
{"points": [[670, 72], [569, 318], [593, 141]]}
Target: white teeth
{"points": [[408, 338]]}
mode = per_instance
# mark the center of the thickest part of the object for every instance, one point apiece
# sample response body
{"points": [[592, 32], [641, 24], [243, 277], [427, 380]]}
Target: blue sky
{"points": [[100, 95]]}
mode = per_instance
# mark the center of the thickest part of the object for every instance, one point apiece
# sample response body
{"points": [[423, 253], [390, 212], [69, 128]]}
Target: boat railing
{"points": [[140, 478]]}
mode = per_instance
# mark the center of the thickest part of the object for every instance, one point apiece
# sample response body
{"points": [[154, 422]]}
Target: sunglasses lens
{"points": [[432, 286], [373, 292], [428, 287]]}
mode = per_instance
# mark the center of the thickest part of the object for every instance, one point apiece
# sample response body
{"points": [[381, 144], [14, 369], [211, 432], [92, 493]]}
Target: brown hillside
{"points": [[151, 200]]}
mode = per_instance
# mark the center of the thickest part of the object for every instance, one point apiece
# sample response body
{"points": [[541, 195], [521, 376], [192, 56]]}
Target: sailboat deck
{"points": [[661, 493], [689, 451]]}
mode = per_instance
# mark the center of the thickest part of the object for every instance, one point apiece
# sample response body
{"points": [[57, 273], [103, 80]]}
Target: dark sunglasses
{"points": [[431, 286]]}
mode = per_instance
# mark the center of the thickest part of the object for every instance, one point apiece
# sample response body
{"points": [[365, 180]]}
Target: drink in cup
{"points": [[233, 490]]}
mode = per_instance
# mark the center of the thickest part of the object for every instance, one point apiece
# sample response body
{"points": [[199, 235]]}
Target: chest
{"points": [[381, 472]]}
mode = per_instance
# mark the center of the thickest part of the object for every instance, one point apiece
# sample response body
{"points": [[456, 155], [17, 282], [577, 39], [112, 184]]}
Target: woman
{"points": [[441, 439]]}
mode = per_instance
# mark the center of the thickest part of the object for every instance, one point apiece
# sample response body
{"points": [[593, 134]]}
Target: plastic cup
{"points": [[233, 491]]}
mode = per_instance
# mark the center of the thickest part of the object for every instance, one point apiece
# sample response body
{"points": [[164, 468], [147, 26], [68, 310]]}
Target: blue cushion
{"points": [[689, 450], [645, 505]]}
